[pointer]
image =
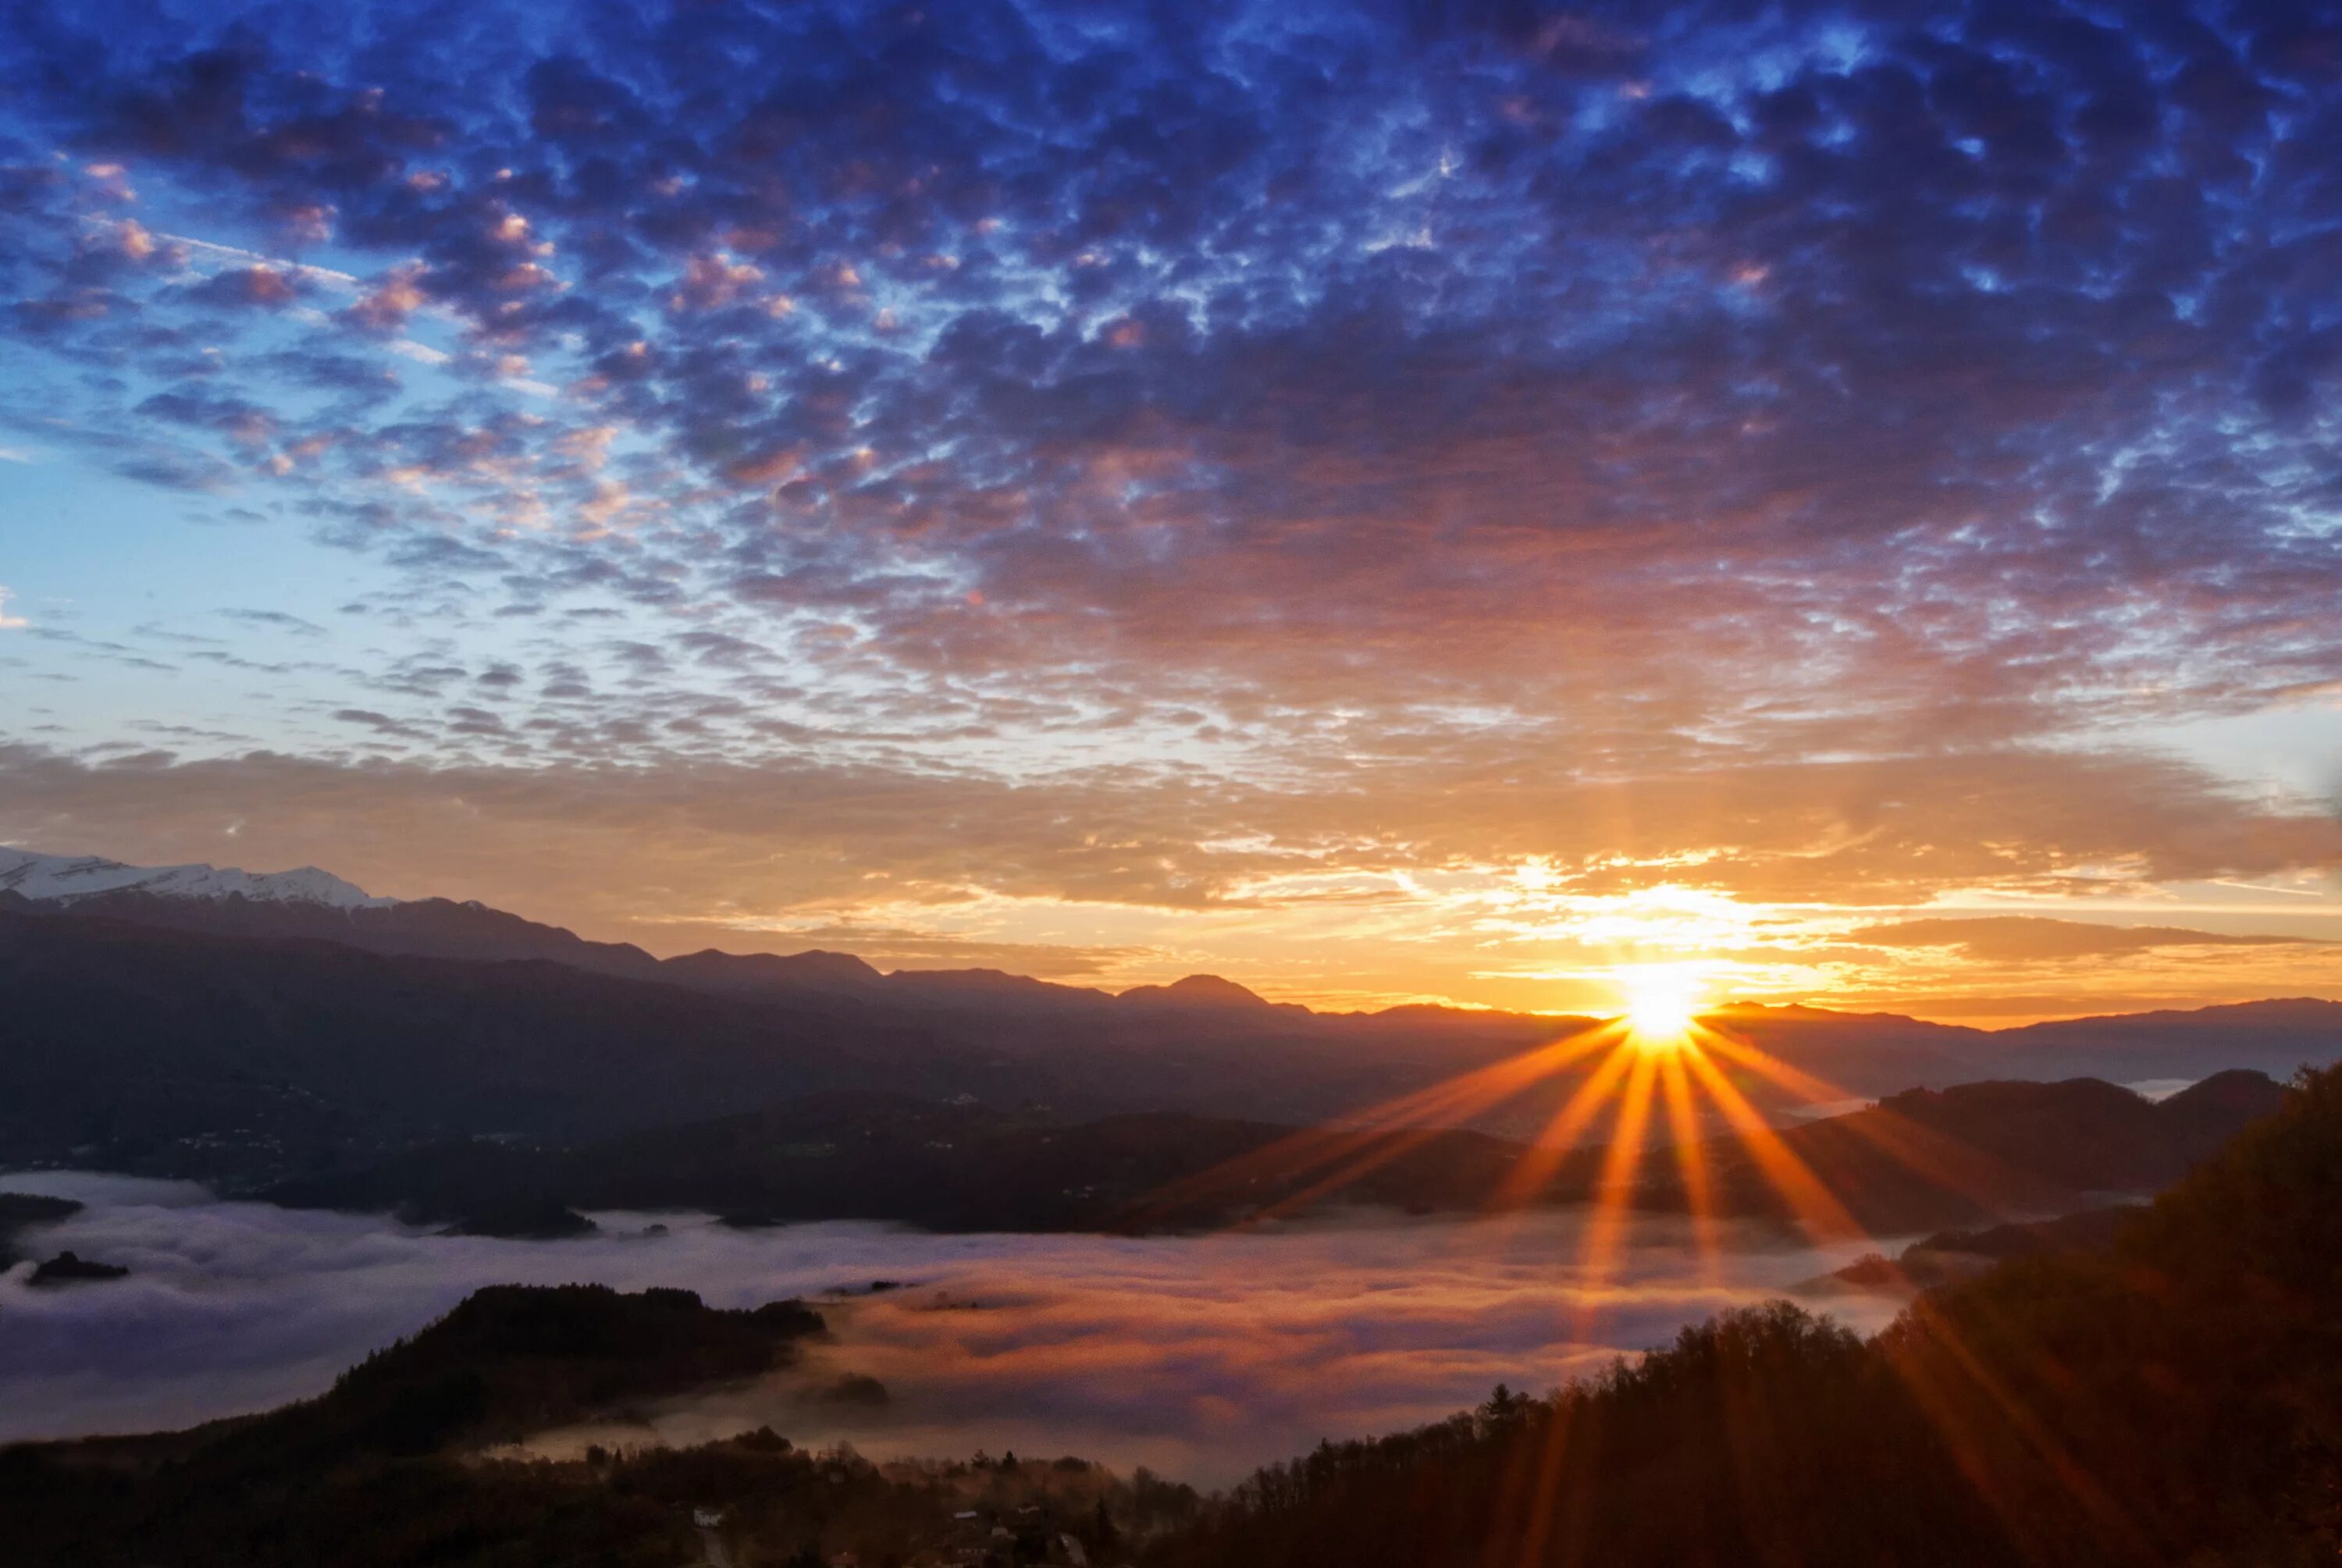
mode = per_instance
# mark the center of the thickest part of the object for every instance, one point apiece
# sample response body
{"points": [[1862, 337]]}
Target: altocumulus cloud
{"points": [[1824, 410]]}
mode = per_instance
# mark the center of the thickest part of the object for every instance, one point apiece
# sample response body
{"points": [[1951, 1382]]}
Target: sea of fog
{"points": [[1201, 1356]]}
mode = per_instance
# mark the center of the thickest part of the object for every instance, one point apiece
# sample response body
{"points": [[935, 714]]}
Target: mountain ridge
{"points": [[70, 878], [223, 902], [246, 1039]]}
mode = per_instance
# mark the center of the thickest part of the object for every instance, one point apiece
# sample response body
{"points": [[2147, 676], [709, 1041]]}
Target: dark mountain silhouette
{"points": [[418, 928], [1949, 1256], [248, 1040], [1918, 1161], [768, 973], [992, 1013], [1927, 1159], [1973, 1152], [396, 1464], [148, 1049], [443, 928], [530, 1220], [517, 1359], [71, 1268], [2142, 1045], [128, 1039], [19, 1211], [1196, 991], [887, 1157]]}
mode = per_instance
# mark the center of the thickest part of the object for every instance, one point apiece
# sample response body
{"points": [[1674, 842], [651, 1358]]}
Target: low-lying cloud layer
{"points": [[1200, 1356]]}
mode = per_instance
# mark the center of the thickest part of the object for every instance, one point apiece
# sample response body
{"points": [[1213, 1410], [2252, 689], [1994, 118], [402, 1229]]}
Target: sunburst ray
{"points": [[1691, 1165], [1371, 1138], [1615, 1189]]}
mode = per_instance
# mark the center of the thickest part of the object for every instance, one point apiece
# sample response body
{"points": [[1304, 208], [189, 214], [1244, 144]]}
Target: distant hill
{"points": [[71, 1268], [1975, 1151], [235, 1059], [1949, 1256], [398, 1465], [511, 1360], [143, 1049], [1925, 1159], [2278, 1036], [1918, 1161], [877, 1156], [19, 1211], [377, 1470]]}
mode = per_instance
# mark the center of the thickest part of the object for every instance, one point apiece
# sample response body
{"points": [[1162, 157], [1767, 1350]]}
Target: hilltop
{"points": [[395, 1465]]}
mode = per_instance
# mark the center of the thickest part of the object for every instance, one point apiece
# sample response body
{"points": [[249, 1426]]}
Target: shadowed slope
{"points": [[366, 1472], [2172, 1400]]}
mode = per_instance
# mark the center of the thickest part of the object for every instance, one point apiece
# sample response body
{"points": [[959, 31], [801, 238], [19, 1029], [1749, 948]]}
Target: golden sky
{"points": [[1381, 504]]}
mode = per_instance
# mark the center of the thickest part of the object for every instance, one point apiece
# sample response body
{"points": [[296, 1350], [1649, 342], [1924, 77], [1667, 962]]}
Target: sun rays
{"points": [[1657, 1116], [1662, 1067]]}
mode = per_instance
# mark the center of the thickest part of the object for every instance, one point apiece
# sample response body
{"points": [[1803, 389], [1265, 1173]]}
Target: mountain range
{"points": [[252, 1029], [70, 879]]}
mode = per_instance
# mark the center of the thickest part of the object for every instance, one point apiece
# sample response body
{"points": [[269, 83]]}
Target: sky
{"points": [[1465, 500]]}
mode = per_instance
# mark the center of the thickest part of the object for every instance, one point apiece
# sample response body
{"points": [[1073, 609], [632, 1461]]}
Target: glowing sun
{"points": [[1660, 1006]]}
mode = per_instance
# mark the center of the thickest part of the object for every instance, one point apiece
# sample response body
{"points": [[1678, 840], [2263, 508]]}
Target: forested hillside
{"points": [[2176, 1399]]}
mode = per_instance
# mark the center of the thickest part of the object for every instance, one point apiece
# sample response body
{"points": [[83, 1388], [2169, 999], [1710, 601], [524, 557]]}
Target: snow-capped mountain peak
{"points": [[65, 877]]}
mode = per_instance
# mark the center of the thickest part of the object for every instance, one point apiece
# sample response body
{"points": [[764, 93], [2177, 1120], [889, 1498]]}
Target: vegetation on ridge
{"points": [[2176, 1399]]}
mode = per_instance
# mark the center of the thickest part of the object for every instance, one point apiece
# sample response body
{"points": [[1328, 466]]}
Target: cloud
{"points": [[9, 623], [277, 620], [1738, 395], [2026, 939], [1202, 1356], [1794, 453], [794, 835], [261, 286]]}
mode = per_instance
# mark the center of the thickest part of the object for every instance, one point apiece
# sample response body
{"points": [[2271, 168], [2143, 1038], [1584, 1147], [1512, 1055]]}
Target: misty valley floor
{"points": [[1199, 1356]]}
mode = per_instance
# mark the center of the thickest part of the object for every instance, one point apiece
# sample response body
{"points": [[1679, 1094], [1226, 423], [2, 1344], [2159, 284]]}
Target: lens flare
{"points": [[1662, 1002], [1658, 1060]]}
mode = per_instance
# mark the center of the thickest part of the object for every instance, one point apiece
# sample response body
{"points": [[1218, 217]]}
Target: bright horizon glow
{"points": [[1623, 1070], [1662, 1001]]}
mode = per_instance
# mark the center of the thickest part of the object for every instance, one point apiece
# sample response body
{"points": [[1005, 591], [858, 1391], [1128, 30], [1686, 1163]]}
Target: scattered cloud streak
{"points": [[2021, 939]]}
